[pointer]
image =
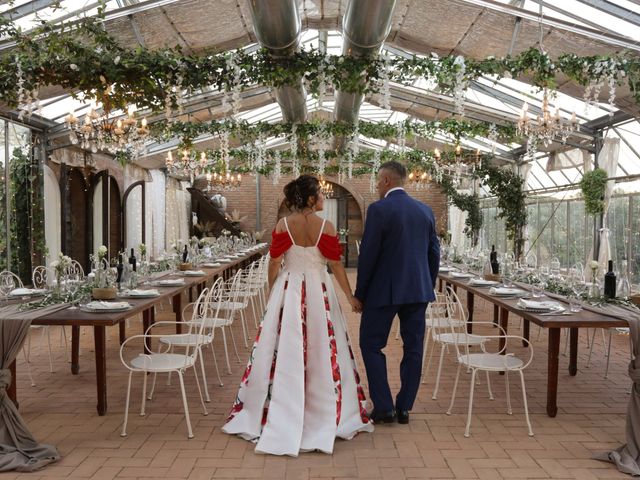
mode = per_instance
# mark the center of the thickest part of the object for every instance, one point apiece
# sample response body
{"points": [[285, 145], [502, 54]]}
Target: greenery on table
{"points": [[593, 185], [53, 297], [160, 266]]}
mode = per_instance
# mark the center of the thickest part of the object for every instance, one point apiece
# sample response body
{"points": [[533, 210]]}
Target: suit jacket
{"points": [[399, 254]]}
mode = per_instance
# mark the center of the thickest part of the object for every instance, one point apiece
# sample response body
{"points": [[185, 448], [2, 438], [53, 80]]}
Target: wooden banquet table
{"points": [[505, 305], [100, 321]]}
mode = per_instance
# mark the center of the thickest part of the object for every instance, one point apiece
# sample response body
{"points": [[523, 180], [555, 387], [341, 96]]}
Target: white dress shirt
{"points": [[392, 190]]}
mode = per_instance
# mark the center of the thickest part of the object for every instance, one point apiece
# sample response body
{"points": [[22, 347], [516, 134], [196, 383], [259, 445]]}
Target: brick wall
{"points": [[271, 198]]}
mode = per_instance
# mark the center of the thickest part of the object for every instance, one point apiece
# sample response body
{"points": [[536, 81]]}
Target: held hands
{"points": [[356, 305]]}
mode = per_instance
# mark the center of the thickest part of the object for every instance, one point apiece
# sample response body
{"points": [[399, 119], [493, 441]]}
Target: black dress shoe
{"points": [[382, 417], [403, 417]]}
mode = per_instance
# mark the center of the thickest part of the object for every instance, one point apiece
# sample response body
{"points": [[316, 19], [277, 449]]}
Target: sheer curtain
{"points": [[456, 226], [177, 208], [330, 211], [97, 215], [156, 216], [52, 226]]}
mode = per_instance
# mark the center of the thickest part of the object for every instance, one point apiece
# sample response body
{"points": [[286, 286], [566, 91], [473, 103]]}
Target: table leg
{"points": [[496, 315], [177, 309], [12, 391], [100, 339], [470, 300], [441, 285], [573, 351], [75, 349], [552, 371], [122, 326], [526, 327], [146, 323]]}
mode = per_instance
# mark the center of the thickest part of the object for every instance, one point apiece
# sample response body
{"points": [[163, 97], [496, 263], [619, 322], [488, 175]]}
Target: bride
{"points": [[301, 387]]}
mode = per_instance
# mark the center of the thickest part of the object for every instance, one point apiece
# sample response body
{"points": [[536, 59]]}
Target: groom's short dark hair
{"points": [[396, 168]]}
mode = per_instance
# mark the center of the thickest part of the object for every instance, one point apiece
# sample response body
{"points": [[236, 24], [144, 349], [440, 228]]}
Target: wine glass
{"points": [[6, 286], [507, 273], [554, 267], [72, 286], [578, 287], [543, 275]]}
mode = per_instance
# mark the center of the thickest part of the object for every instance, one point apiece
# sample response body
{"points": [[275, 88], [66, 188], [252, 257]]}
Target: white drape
{"points": [[330, 210], [523, 170], [156, 216], [608, 161], [134, 218], [456, 226], [177, 210], [97, 215], [52, 226]]}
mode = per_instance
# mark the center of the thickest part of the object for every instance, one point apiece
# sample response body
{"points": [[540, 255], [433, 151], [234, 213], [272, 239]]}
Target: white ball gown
{"points": [[301, 387]]}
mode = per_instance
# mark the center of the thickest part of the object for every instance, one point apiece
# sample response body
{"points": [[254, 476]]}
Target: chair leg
{"points": [[169, 374], [244, 328], [215, 362], [435, 389], [195, 374], [26, 361], [455, 388], [204, 378], [144, 393], [126, 406], [489, 385], [606, 370], [253, 311], [506, 382], [226, 350], [49, 345], [524, 401], [153, 386], [233, 341], [424, 354], [186, 406], [593, 337], [473, 385]]}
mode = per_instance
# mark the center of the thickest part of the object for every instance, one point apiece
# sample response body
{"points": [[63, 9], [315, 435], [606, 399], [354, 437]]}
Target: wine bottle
{"points": [[119, 269], [493, 256], [132, 260], [610, 282], [185, 255]]}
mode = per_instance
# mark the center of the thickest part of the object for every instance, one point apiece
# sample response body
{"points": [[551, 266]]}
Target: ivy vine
{"points": [[593, 185]]}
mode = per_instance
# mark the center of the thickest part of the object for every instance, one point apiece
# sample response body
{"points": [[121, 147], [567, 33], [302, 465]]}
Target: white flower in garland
{"points": [[260, 151], [402, 136], [295, 165], [321, 140], [322, 87], [461, 84], [385, 81], [277, 169], [354, 150], [224, 150], [493, 136], [375, 166]]}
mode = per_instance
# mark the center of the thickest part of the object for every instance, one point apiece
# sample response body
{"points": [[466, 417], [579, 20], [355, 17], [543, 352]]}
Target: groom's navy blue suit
{"points": [[397, 270]]}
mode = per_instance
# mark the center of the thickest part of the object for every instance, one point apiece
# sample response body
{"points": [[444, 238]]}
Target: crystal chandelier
{"points": [[189, 165], [98, 132], [219, 182], [547, 125], [326, 188]]}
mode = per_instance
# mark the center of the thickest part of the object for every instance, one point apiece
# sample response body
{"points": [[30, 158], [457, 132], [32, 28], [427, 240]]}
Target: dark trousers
{"points": [[375, 326]]}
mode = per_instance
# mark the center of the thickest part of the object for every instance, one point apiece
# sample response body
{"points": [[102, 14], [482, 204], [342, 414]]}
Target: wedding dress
{"points": [[301, 387]]}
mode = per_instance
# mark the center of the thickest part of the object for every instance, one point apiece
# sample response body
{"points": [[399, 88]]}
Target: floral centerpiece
{"points": [[60, 267], [594, 290], [102, 289], [142, 248], [343, 232]]}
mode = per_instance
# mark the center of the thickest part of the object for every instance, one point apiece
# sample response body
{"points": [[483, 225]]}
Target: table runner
{"points": [[18, 449]]}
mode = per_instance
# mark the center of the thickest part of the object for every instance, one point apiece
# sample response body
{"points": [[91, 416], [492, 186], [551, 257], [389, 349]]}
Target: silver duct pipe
{"points": [[278, 27], [365, 25]]}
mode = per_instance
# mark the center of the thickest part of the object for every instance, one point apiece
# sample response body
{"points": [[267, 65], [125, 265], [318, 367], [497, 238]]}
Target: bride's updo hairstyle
{"points": [[302, 192]]}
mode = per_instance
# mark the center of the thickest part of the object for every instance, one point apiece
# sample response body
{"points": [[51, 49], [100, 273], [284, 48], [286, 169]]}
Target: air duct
{"points": [[365, 25], [277, 27]]}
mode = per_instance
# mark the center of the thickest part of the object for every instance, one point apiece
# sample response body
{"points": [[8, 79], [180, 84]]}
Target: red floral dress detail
{"points": [[330, 247], [333, 348], [280, 243]]}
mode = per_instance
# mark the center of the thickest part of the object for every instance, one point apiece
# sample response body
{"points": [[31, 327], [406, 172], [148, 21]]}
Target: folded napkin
{"points": [[143, 293], [211, 265], [461, 275], [26, 291], [171, 281], [538, 305], [194, 272], [481, 282], [506, 291], [101, 305]]}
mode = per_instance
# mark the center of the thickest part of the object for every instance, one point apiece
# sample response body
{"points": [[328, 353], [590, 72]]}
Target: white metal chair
{"points": [[449, 330], [75, 269], [234, 301], [492, 362], [166, 361]]}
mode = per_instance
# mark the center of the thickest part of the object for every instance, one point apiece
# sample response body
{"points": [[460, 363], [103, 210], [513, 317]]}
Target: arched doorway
{"points": [[106, 214], [74, 216], [343, 210]]}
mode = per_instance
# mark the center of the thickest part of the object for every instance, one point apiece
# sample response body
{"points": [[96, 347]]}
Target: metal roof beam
{"points": [[573, 16], [607, 38], [608, 120], [614, 10], [29, 8]]}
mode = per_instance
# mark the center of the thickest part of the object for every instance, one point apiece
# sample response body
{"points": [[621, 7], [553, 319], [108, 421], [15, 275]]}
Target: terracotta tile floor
{"points": [[61, 410]]}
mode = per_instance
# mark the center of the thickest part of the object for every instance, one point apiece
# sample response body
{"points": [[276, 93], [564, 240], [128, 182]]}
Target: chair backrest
{"points": [[40, 277], [437, 311], [235, 286], [75, 269], [6, 275], [456, 311]]}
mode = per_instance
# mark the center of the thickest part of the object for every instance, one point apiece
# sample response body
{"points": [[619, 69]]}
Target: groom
{"points": [[397, 270]]}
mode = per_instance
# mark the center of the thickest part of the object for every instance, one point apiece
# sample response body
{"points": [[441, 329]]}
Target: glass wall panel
{"points": [[560, 234], [617, 222], [545, 234], [580, 233], [3, 199], [634, 263]]}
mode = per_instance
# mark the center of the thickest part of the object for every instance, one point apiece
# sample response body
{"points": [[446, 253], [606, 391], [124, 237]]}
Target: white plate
{"points": [[140, 294], [543, 307], [27, 292], [194, 273], [480, 282], [118, 308], [175, 282], [210, 265], [461, 275]]}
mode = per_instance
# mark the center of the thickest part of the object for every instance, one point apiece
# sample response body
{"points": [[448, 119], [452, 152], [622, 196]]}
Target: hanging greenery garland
{"points": [[84, 59]]}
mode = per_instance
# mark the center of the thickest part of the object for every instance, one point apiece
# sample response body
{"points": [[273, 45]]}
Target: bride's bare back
{"points": [[305, 228]]}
